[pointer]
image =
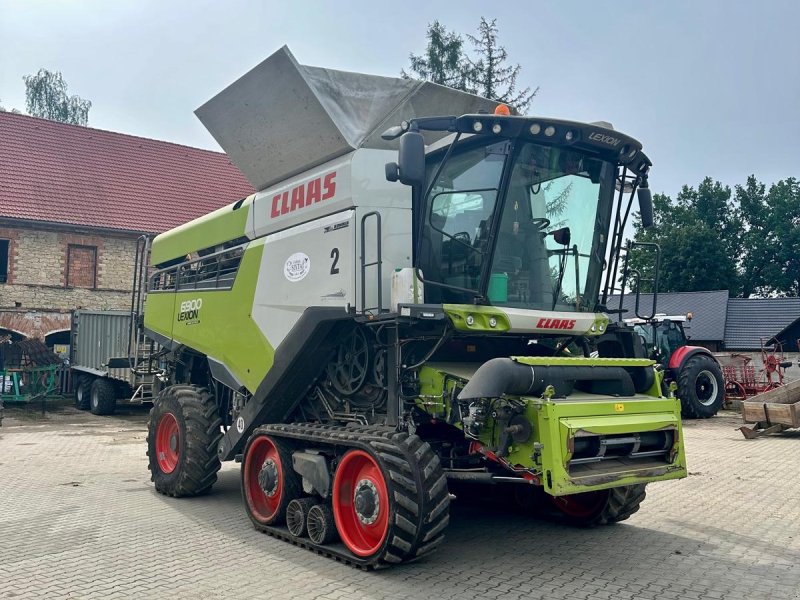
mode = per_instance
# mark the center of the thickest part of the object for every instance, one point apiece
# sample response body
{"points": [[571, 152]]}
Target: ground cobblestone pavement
{"points": [[79, 519]]}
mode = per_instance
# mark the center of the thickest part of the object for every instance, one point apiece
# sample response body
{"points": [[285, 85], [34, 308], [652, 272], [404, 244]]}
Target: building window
{"points": [[4, 246], [81, 266]]}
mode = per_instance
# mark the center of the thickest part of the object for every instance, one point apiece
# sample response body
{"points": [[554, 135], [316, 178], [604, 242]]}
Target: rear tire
{"points": [[102, 397], [83, 390], [602, 507], [182, 438], [701, 387]]}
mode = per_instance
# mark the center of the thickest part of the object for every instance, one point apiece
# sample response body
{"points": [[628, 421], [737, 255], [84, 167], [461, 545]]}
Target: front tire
{"points": [[102, 397], [701, 387], [602, 507], [182, 438]]}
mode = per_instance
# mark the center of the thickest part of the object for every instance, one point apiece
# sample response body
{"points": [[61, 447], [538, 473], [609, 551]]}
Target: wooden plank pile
{"points": [[772, 411]]}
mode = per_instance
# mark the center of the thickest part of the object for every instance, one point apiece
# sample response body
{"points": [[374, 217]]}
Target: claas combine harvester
{"points": [[409, 300]]}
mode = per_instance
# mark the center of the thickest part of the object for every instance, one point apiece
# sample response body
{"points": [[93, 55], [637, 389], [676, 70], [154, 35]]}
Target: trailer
{"points": [[110, 362]]}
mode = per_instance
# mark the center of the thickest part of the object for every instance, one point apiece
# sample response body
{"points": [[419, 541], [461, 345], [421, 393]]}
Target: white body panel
{"points": [[305, 234]]}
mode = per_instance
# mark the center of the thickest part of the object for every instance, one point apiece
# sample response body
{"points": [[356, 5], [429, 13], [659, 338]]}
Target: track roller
{"points": [[321, 525], [297, 514]]}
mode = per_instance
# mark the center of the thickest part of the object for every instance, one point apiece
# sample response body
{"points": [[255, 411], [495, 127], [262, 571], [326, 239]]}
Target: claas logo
{"points": [[546, 323], [305, 194]]}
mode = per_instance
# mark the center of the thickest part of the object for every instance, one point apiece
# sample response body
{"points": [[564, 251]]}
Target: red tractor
{"points": [[695, 371]]}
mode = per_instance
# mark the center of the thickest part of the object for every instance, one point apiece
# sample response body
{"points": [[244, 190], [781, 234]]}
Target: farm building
{"points": [[74, 200]]}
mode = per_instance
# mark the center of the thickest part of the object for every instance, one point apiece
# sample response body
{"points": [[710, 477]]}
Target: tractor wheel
{"points": [[182, 437], [83, 388], [701, 387], [602, 507], [102, 397], [269, 482]]}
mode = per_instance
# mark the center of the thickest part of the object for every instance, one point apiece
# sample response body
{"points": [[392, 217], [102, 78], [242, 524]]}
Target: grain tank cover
{"points": [[283, 118]]}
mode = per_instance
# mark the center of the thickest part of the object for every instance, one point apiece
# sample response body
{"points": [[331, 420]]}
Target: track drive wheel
{"points": [[102, 397], [602, 507], [182, 438], [269, 483], [82, 390], [390, 503], [701, 387]]}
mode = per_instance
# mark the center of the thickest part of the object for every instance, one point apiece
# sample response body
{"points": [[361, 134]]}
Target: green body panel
{"points": [[458, 314], [223, 327], [556, 422], [218, 227], [560, 421]]}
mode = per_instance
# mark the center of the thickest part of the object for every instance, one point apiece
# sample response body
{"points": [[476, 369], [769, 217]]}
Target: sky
{"points": [[710, 88]]}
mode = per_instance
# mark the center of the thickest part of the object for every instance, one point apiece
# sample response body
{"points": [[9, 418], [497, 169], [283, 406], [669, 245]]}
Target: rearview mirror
{"points": [[411, 158]]}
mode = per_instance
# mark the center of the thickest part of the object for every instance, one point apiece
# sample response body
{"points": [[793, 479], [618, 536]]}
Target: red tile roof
{"points": [[82, 176]]}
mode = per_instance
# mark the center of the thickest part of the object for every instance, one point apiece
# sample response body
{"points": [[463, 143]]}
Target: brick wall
{"points": [[37, 295]]}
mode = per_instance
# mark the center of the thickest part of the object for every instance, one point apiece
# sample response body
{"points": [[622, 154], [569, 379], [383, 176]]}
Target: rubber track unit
{"points": [[415, 479], [197, 470]]}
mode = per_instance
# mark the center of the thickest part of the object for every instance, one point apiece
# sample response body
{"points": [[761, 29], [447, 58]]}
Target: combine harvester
{"points": [[372, 324]]}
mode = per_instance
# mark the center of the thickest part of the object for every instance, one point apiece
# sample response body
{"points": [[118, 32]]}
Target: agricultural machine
{"points": [[410, 300], [697, 374], [742, 381]]}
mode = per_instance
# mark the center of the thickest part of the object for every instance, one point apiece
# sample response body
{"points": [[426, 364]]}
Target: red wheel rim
{"points": [[362, 528], [581, 506], [263, 456], [168, 440]]}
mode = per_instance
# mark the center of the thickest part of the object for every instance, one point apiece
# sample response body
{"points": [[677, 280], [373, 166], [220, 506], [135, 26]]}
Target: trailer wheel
{"points": [[182, 437], [269, 482], [701, 387], [83, 388], [602, 507], [102, 397]]}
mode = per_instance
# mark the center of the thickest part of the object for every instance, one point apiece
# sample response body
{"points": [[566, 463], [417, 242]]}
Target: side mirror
{"points": [[411, 158], [562, 236], [645, 205]]}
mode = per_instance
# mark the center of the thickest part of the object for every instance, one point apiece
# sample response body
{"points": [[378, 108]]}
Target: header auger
{"points": [[375, 323]]}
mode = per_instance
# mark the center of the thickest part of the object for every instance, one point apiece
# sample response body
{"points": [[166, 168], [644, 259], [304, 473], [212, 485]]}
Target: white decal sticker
{"points": [[240, 424], [297, 266]]}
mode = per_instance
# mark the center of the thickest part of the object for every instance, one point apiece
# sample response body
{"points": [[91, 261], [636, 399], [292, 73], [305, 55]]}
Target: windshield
{"points": [[540, 247]]}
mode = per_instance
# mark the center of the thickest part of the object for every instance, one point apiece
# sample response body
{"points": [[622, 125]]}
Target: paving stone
{"points": [[80, 519]]}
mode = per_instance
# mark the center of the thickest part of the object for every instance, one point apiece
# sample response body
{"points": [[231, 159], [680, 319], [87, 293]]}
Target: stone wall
{"points": [[40, 294]]}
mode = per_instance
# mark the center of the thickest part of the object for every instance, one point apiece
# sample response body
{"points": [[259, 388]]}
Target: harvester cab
{"points": [[696, 373], [409, 300]]}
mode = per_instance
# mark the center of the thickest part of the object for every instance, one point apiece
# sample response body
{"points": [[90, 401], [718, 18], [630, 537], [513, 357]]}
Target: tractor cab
{"points": [[663, 335]]}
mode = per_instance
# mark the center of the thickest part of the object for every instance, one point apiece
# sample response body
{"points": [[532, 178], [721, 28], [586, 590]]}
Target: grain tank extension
{"points": [[353, 403]]}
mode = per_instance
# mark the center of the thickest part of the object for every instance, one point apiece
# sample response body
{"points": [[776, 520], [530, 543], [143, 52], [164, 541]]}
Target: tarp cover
{"points": [[283, 118]]}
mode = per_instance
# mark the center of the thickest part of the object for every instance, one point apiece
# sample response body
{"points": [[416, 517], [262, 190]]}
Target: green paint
{"points": [[481, 316], [224, 328], [581, 361], [218, 227], [554, 423]]}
